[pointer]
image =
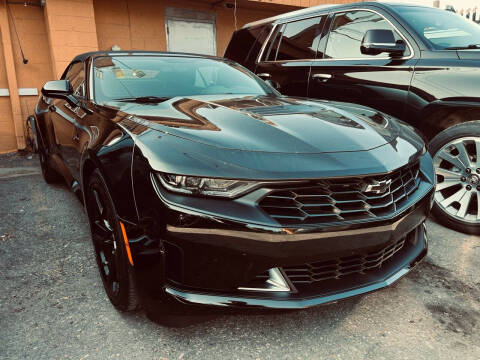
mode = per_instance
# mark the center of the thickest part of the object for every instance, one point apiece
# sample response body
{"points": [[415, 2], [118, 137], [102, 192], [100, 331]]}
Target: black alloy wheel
{"points": [[110, 252]]}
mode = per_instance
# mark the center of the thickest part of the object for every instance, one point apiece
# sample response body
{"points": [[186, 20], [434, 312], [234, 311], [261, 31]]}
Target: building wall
{"points": [[8, 141], [52, 35], [140, 25], [307, 3], [29, 23]]}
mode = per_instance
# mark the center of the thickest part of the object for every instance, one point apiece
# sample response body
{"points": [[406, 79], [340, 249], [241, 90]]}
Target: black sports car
{"points": [[205, 185]]}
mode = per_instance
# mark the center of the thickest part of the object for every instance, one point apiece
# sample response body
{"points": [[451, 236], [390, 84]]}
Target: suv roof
{"points": [[319, 8]]}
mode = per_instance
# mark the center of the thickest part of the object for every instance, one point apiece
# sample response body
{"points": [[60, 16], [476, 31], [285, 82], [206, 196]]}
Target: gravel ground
{"points": [[52, 303]]}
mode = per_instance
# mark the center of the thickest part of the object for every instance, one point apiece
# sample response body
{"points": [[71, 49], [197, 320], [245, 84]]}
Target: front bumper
{"points": [[210, 250], [295, 301]]}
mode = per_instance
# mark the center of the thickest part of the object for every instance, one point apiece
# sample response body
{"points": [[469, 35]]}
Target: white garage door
{"points": [[191, 36]]}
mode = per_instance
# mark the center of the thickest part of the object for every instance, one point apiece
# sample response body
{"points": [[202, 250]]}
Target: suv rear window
{"points": [[300, 40], [296, 40], [246, 44]]}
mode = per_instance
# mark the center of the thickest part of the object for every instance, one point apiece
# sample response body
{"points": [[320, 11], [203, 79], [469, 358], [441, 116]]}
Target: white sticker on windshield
{"points": [[447, 33]]}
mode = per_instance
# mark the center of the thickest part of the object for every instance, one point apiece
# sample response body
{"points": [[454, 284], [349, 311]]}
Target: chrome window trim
{"points": [[260, 54], [412, 52], [281, 23]]}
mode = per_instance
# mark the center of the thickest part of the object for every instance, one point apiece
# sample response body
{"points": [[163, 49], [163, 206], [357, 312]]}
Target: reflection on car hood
{"points": [[266, 123]]}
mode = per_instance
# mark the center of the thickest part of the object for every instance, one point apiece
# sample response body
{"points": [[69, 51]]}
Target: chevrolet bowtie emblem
{"points": [[377, 187]]}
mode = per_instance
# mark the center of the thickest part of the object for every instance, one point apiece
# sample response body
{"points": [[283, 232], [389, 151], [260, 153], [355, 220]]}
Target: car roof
{"points": [[324, 8], [85, 56]]}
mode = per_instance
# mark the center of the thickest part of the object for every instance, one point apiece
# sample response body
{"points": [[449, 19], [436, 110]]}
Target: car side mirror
{"points": [[60, 89], [378, 41]]}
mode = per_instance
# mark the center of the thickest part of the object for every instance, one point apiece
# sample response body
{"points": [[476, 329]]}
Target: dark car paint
{"points": [[224, 242], [430, 89]]}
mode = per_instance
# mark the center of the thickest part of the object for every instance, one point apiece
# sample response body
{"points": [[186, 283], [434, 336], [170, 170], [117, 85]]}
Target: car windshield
{"points": [[146, 78], [440, 28]]}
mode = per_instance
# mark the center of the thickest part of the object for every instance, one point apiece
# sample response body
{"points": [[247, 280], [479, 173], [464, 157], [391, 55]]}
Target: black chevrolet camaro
{"points": [[203, 185]]}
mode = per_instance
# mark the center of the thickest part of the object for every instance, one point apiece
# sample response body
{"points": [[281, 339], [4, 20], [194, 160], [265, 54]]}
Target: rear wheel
{"points": [[49, 174], [113, 264], [456, 156]]}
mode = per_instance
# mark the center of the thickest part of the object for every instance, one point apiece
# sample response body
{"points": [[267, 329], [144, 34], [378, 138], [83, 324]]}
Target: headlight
{"points": [[193, 185]]}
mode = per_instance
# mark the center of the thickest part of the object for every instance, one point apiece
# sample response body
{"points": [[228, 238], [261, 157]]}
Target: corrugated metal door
{"points": [[191, 36]]}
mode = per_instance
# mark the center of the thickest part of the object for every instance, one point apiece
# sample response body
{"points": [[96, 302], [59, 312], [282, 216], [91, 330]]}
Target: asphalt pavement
{"points": [[53, 306]]}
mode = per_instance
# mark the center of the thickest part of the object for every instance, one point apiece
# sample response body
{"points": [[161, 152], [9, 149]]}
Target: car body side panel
{"points": [[108, 146], [442, 84]]}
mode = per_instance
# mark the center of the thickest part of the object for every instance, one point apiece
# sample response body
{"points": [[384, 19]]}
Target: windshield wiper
{"points": [[144, 99], [471, 46]]}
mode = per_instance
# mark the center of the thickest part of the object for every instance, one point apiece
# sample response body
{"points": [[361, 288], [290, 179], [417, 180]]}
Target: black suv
{"points": [[419, 64]]}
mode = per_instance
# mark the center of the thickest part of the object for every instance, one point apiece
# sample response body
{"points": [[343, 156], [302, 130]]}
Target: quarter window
{"points": [[300, 40], [272, 45], [348, 30]]}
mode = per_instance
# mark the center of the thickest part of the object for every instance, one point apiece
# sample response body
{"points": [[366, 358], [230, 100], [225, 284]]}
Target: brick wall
{"points": [[71, 30], [8, 141], [30, 25], [139, 24]]}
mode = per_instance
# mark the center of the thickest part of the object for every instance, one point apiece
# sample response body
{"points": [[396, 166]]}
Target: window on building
{"points": [[347, 32]]}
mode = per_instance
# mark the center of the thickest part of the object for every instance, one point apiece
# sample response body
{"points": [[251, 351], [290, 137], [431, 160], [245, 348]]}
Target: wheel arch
{"points": [[114, 164], [441, 115]]}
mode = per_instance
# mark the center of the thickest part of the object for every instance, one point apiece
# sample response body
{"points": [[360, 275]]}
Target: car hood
{"points": [[266, 123]]}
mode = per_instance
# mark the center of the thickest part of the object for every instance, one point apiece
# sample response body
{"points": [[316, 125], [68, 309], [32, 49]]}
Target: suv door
{"points": [[341, 72], [287, 55]]}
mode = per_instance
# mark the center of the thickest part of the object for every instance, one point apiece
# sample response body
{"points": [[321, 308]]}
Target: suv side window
{"points": [[271, 48], [348, 30], [300, 40], [76, 75]]}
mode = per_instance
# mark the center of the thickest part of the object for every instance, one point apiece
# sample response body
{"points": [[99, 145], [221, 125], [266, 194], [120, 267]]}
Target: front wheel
{"points": [[456, 157], [112, 259]]}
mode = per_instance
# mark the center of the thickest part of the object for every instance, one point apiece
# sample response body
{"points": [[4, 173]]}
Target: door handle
{"points": [[322, 77], [264, 75]]}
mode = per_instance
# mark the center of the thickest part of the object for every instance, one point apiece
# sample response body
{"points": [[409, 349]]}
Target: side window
{"points": [[300, 40], [76, 75], [246, 44], [272, 46], [348, 30]]}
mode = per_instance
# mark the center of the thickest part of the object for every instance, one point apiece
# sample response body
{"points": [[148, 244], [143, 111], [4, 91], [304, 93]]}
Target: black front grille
{"points": [[340, 200], [337, 268]]}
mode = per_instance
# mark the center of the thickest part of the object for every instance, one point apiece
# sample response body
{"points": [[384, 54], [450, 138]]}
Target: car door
{"points": [[287, 55], [342, 73], [67, 118]]}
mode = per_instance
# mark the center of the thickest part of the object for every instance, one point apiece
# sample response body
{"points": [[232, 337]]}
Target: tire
{"points": [[456, 156], [110, 252], [33, 127], [49, 174]]}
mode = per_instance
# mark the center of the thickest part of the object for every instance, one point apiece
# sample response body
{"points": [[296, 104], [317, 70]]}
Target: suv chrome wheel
{"points": [[457, 167]]}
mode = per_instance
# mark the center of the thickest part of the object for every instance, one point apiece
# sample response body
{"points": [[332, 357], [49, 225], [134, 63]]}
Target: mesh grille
{"points": [[340, 200], [310, 273]]}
